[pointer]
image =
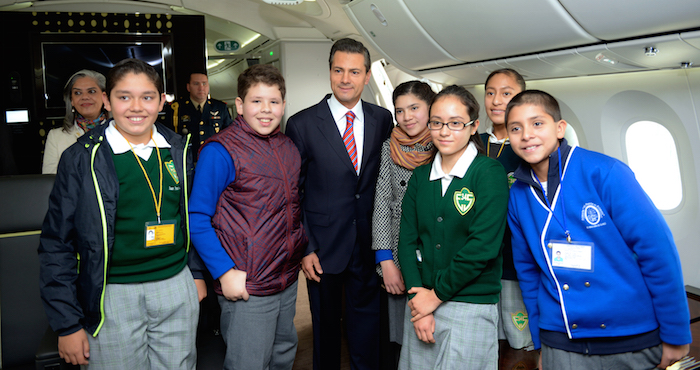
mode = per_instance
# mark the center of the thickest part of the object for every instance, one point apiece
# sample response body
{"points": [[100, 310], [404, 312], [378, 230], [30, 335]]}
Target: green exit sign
{"points": [[227, 45]]}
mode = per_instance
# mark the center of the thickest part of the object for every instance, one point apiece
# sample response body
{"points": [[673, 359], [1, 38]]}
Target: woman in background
{"points": [[84, 111], [409, 146]]}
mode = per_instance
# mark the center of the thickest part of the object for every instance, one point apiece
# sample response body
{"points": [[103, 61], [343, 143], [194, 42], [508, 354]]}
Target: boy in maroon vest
{"points": [[246, 225]]}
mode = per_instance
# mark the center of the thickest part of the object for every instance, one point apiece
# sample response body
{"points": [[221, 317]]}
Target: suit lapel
{"points": [[329, 130], [370, 134]]}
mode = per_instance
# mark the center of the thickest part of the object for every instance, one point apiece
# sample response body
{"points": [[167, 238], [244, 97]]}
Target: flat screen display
{"points": [[61, 60], [17, 116]]}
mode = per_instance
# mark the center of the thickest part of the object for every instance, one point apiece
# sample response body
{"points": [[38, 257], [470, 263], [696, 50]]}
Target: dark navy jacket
{"points": [[78, 232]]}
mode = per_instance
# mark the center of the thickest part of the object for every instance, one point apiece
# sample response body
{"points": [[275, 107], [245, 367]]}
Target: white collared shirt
{"points": [[339, 111], [459, 170], [494, 139], [120, 145]]}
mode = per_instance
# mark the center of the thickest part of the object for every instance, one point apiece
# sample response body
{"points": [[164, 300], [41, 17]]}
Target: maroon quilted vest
{"points": [[258, 216]]}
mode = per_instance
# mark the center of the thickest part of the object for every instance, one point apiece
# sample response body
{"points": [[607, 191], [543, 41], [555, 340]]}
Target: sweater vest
{"points": [[258, 216]]}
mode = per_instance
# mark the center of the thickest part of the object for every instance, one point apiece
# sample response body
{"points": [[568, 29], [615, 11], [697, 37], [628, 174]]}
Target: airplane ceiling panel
{"points": [[571, 60], [692, 38], [659, 52], [609, 59], [441, 77], [531, 68], [482, 30], [395, 32], [466, 74], [614, 20]]}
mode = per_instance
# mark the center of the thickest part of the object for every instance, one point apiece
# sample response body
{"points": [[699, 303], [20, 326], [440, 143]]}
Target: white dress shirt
{"points": [[339, 111], [460, 168]]}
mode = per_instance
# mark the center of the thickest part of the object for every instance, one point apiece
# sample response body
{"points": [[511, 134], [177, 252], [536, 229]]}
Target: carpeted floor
{"points": [[211, 347]]}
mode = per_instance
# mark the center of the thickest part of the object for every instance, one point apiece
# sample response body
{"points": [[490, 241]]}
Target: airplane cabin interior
{"points": [[625, 74]]}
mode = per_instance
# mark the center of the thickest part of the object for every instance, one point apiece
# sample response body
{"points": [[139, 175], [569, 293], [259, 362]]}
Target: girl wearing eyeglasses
{"points": [[454, 217]]}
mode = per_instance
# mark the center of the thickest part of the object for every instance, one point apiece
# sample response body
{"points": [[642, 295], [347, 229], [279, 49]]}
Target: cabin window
{"points": [[653, 156], [571, 136]]}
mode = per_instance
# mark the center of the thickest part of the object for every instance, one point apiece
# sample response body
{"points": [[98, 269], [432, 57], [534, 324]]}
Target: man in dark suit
{"points": [[340, 161]]}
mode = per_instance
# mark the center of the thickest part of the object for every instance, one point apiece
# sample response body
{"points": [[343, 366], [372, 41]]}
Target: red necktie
{"points": [[349, 138]]}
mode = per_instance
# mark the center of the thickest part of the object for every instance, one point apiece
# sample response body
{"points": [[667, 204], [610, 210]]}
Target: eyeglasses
{"points": [[454, 126]]}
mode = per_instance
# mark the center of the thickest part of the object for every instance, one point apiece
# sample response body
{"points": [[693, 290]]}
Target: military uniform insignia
{"points": [[170, 166], [185, 118], [215, 114], [519, 319], [464, 200]]}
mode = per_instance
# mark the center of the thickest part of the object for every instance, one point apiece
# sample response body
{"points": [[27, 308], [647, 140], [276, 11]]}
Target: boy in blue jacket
{"points": [[246, 224], [599, 271]]}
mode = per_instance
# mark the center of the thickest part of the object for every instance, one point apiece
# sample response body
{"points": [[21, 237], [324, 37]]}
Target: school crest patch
{"points": [[593, 215], [519, 319], [464, 200], [170, 166], [511, 179]]}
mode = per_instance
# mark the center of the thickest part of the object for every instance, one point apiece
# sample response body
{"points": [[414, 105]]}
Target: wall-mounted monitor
{"points": [[17, 116], [62, 59], [64, 54]]}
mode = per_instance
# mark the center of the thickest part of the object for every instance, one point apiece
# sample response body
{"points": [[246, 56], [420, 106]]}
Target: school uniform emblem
{"points": [[519, 319], [592, 214], [464, 200], [511, 179], [170, 166]]}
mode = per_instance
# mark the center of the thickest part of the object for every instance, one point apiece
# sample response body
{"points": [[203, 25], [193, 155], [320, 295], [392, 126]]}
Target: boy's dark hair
{"points": [[135, 66], [538, 98], [510, 72], [260, 73], [421, 90], [350, 46], [472, 105]]}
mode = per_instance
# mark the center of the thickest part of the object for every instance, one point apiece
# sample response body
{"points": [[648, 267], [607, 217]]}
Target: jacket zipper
{"points": [[185, 190], [288, 194], [103, 218]]}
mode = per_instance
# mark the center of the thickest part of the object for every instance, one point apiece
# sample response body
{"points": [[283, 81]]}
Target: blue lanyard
{"points": [[561, 194]]}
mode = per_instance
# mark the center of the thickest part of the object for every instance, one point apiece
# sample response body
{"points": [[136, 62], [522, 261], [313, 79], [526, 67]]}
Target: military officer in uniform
{"points": [[198, 114]]}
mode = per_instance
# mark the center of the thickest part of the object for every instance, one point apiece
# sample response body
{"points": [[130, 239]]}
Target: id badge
{"points": [[571, 255], [159, 234]]}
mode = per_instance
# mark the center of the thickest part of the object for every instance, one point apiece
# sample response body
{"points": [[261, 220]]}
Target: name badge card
{"points": [[159, 234], [571, 255]]}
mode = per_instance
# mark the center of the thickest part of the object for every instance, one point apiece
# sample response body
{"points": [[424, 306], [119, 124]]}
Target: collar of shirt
{"points": [[494, 139], [338, 111], [120, 145], [198, 103], [459, 170]]}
